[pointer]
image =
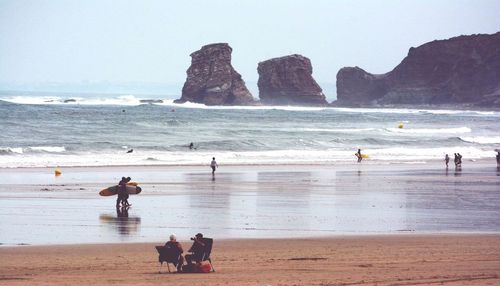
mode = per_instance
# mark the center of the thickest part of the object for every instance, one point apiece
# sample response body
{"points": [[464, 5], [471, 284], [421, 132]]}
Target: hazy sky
{"points": [[150, 41]]}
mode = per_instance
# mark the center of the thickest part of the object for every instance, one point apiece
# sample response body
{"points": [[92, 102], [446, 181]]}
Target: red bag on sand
{"points": [[204, 267]]}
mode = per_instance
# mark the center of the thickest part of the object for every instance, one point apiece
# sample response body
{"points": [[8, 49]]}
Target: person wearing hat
{"points": [[176, 246], [197, 249]]}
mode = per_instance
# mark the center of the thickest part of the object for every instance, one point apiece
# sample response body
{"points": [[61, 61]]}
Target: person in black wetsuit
{"points": [[122, 189]]}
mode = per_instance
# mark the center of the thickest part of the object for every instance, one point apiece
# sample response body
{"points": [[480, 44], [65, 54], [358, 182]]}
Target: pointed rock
{"points": [[212, 80]]}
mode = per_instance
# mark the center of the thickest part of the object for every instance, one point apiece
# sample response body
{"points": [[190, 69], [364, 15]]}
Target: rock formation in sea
{"points": [[288, 81], [212, 80], [464, 70]]}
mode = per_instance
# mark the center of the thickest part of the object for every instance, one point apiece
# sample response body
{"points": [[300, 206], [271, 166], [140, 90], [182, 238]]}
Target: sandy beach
{"points": [[344, 260], [350, 224]]}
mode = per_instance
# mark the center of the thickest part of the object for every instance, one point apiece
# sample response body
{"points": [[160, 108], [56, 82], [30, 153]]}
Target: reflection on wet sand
{"points": [[258, 202], [122, 222]]}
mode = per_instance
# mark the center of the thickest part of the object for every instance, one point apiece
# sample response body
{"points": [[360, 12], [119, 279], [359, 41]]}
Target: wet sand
{"points": [[248, 202], [346, 260]]}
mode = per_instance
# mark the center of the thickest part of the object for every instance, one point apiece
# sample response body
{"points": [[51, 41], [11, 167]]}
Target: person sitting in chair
{"points": [[176, 247], [197, 249]]}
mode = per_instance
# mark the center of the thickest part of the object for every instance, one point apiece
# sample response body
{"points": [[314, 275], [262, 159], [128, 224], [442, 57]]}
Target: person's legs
{"points": [[189, 258], [118, 201], [180, 263]]}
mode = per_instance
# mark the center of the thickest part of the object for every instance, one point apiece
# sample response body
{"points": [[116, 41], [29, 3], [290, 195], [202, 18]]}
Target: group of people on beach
{"points": [[197, 251], [457, 160]]}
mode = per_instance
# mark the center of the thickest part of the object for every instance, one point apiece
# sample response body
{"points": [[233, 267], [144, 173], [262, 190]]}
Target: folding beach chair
{"points": [[168, 255], [207, 250]]}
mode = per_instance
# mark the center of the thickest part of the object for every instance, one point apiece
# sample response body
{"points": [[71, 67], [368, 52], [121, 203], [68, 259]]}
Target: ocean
{"points": [[74, 130]]}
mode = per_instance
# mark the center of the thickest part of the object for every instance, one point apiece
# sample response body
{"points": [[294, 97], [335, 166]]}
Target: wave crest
{"points": [[482, 139], [456, 130]]}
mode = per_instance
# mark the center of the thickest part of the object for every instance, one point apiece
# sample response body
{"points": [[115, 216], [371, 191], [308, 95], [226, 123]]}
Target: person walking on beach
{"points": [[213, 165], [358, 154], [446, 160], [126, 194], [459, 160], [122, 188], [123, 195]]}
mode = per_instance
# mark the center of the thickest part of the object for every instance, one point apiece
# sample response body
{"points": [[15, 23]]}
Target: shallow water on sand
{"points": [[258, 202]]}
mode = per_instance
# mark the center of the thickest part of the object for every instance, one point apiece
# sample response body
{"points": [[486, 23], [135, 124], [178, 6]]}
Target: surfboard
{"points": [[132, 189], [364, 156]]}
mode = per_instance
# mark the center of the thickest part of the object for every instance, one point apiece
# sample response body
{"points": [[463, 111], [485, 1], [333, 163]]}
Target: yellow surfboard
{"points": [[364, 156]]}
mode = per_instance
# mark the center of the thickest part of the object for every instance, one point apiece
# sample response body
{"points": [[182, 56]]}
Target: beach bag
{"points": [[204, 267]]}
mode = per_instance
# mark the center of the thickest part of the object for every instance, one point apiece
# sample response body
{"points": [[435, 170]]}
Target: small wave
{"points": [[482, 139], [37, 149], [414, 111], [169, 102], [8, 150], [128, 100], [339, 130], [50, 149], [430, 130]]}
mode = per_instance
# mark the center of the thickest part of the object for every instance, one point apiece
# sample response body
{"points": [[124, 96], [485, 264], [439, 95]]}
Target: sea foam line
{"points": [[284, 157]]}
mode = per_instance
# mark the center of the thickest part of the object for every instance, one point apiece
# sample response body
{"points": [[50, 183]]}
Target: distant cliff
{"points": [[463, 70], [212, 80], [288, 81]]}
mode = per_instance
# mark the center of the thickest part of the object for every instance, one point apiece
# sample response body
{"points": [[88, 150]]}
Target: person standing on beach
{"points": [[213, 165], [459, 160], [446, 160], [498, 159], [455, 160], [358, 154]]}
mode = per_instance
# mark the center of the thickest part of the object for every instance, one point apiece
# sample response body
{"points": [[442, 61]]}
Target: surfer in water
{"points": [[446, 160], [358, 154], [498, 158], [191, 146]]}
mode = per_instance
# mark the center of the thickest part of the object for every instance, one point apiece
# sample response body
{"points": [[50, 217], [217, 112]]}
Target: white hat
{"points": [[173, 237]]}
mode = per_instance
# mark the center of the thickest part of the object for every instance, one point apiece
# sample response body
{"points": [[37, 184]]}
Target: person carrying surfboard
{"points": [[122, 193], [122, 189], [358, 154]]}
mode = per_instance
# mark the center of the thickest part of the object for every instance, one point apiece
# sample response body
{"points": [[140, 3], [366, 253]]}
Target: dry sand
{"points": [[344, 260]]}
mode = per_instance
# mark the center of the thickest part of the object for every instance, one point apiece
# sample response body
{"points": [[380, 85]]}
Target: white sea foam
{"points": [[169, 102], [128, 100], [131, 100], [50, 149], [456, 130], [482, 139], [338, 130], [414, 111], [139, 157]]}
